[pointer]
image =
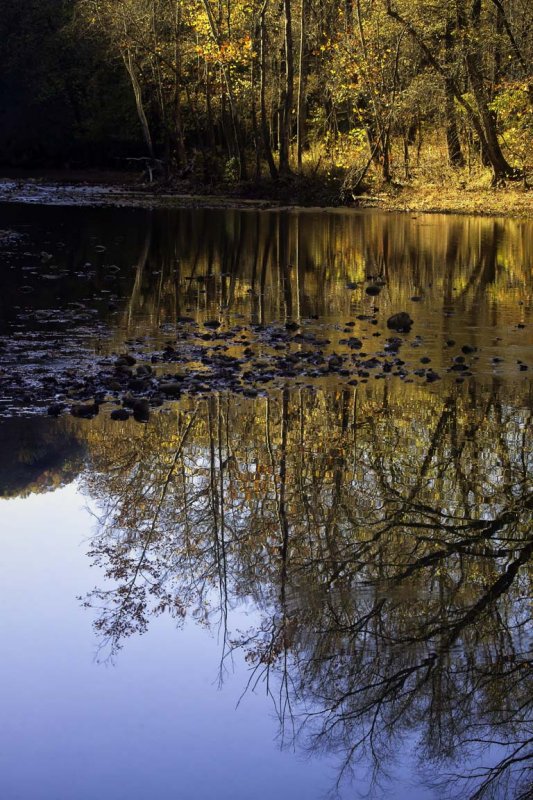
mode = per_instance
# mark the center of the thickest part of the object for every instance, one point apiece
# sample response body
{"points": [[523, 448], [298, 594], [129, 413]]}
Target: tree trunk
{"points": [[455, 154], [235, 125], [255, 128], [179, 139], [288, 94], [265, 134], [139, 105], [302, 85], [518, 54], [490, 145]]}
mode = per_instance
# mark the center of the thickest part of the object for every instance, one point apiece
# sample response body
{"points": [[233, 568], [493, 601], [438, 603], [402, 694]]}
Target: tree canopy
{"points": [[236, 89]]}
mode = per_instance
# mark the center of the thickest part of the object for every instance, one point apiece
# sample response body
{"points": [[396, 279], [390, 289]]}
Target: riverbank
{"points": [[126, 190], [438, 199]]}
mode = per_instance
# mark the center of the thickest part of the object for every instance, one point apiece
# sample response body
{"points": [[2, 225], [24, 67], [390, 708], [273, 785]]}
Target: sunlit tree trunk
{"points": [[489, 142], [179, 138], [265, 134], [302, 86], [139, 105], [288, 92], [455, 154]]}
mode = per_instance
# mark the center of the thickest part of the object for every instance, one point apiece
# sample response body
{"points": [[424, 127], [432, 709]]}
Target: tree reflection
{"points": [[297, 264], [385, 536], [34, 460]]}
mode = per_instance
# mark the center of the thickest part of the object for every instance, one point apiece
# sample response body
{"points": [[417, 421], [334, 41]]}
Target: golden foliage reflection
{"points": [[384, 535]]}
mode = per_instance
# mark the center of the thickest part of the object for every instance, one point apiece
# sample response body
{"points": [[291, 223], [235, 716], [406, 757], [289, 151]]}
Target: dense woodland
{"points": [[359, 92]]}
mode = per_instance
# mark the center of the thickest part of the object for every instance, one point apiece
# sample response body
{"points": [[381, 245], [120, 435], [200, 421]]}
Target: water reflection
{"points": [[95, 278], [466, 275], [34, 459], [382, 532], [384, 537]]}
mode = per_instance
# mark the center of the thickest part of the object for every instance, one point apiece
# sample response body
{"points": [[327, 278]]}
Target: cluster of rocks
{"points": [[244, 359]]}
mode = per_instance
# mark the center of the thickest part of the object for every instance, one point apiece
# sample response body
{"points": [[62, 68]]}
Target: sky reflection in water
{"points": [[155, 724]]}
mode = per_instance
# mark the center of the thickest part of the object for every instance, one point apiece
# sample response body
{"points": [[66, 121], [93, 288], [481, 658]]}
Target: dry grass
{"points": [[509, 201], [434, 186]]}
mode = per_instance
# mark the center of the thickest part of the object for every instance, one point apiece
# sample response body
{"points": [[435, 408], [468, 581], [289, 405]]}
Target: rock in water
{"points": [[141, 410], [172, 388], [120, 414], [400, 322], [85, 410]]}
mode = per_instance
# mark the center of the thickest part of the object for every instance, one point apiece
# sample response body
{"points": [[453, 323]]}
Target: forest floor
{"points": [[99, 188], [437, 198]]}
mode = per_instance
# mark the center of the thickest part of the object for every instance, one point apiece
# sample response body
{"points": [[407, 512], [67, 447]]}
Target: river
{"points": [[307, 566]]}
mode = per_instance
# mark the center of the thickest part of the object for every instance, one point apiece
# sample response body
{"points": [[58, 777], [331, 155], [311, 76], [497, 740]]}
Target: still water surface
{"points": [[324, 586]]}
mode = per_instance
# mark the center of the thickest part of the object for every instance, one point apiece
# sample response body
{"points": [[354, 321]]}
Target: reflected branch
{"points": [[392, 603]]}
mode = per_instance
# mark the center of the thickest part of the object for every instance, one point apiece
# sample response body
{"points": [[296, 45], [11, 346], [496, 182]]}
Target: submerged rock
{"points": [[400, 322], [141, 409], [171, 388], [85, 410], [120, 414], [125, 360]]}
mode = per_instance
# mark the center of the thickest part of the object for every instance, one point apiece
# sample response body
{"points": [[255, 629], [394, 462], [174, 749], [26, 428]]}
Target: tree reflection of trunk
{"points": [[133, 303], [454, 267], [451, 257], [254, 317], [282, 627], [235, 268], [298, 238], [284, 267], [264, 267], [217, 506], [483, 275], [282, 513]]}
